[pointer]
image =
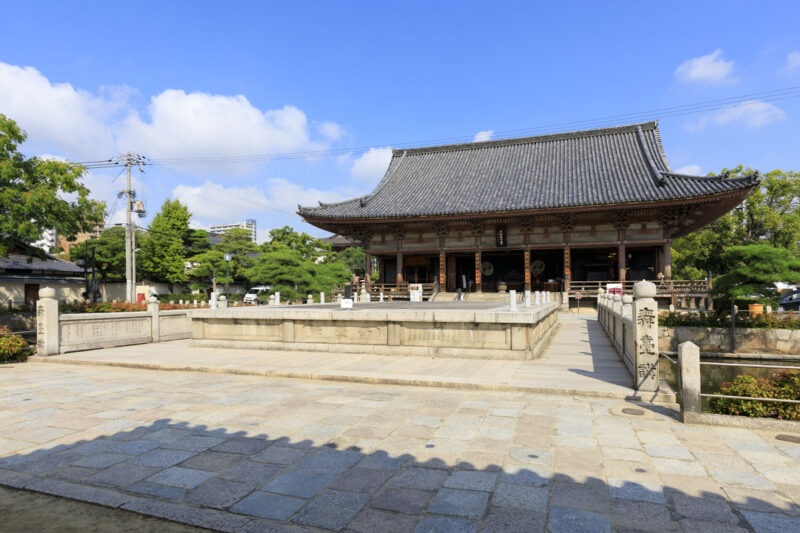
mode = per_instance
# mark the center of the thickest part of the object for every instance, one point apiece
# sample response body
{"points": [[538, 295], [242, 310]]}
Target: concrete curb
{"points": [[764, 424], [353, 377]]}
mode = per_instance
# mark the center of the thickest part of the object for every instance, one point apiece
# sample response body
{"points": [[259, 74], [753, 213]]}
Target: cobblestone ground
{"points": [[239, 453]]}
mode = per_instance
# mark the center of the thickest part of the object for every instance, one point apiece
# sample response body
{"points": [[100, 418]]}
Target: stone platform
{"points": [[577, 359], [439, 329]]}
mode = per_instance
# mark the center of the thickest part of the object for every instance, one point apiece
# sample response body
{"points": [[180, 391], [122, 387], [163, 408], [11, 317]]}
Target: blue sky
{"points": [[181, 80]]}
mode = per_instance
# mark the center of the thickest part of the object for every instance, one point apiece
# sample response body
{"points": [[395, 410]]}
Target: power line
{"points": [[744, 100]]}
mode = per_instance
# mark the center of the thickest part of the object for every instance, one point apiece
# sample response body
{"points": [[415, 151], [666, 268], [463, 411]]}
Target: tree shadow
{"points": [[234, 481]]}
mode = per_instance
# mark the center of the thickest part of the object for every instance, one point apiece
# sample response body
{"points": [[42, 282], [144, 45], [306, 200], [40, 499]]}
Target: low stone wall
{"points": [[72, 332], [445, 333], [748, 340]]}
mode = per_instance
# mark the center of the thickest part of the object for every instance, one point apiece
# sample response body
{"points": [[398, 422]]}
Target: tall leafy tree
{"points": [[196, 242], [162, 254], [109, 253], [768, 216], [753, 271], [210, 265], [308, 246], [354, 259], [38, 194], [287, 271], [243, 250]]}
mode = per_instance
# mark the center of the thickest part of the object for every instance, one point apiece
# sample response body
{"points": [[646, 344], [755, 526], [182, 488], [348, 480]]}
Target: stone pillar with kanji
{"points": [[645, 321]]}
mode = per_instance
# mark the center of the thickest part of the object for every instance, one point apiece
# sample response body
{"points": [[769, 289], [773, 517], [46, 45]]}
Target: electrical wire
{"points": [[755, 98]]}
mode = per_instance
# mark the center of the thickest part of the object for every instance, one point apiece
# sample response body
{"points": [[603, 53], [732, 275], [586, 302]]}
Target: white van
{"points": [[256, 295]]}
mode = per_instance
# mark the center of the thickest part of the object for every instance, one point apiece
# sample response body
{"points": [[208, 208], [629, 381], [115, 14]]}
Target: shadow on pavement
{"points": [[232, 481]]}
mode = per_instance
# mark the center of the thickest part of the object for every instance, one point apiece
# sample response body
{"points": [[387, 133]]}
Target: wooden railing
{"points": [[398, 291], [588, 289]]}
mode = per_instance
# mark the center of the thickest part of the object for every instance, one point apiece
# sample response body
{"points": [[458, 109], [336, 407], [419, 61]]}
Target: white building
{"points": [[48, 240], [249, 224]]}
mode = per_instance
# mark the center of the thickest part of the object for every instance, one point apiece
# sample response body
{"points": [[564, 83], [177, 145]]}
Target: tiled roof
{"points": [[20, 262], [621, 165]]}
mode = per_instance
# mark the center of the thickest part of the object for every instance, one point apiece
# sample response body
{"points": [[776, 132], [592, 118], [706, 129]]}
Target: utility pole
{"points": [[130, 159]]}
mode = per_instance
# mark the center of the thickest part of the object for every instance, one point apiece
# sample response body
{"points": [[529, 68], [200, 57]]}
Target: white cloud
{"points": [[792, 62], [184, 124], [752, 113], [711, 68], [372, 165], [176, 124], [692, 170], [213, 202], [483, 136], [59, 114], [331, 130]]}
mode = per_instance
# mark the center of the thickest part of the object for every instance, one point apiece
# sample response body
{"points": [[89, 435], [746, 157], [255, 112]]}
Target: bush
{"points": [[720, 320], [784, 385], [12, 347], [117, 307]]}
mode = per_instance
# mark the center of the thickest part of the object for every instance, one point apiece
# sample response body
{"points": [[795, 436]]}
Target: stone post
{"points": [[155, 328], [223, 302], [47, 322], [627, 305], [527, 298], [689, 361], [322, 297], [512, 300], [380, 297], [277, 298], [537, 298], [616, 321], [645, 321], [310, 299]]}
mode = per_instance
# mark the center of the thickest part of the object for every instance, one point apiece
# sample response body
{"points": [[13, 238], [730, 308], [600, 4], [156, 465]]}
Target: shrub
{"points": [[12, 347], [784, 385]]}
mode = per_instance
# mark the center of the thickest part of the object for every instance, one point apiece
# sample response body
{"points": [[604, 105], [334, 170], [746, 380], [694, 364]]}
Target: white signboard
{"points": [[416, 292], [347, 303], [614, 288]]}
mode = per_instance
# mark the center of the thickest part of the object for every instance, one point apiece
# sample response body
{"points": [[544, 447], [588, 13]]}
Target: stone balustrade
{"points": [[487, 334], [631, 323], [72, 332]]}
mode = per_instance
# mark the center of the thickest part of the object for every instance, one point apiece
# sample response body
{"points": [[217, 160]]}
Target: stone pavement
{"points": [[246, 453], [577, 359]]}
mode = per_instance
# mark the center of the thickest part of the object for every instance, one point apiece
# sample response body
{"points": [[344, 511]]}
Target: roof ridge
{"points": [[577, 134]]}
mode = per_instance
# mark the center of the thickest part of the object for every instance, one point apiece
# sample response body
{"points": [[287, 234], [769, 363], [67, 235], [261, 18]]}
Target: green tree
{"points": [[109, 251], [308, 246], [769, 216], [287, 271], [38, 194], [196, 242], [210, 265], [354, 259], [162, 254], [753, 271], [243, 250]]}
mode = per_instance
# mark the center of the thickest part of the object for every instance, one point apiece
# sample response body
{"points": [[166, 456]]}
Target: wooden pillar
{"points": [[567, 274], [399, 267], [381, 270], [442, 271], [478, 284], [622, 257], [527, 258], [667, 258], [367, 271]]}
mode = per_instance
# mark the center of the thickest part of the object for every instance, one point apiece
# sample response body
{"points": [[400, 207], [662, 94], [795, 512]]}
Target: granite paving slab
{"points": [[242, 453]]}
